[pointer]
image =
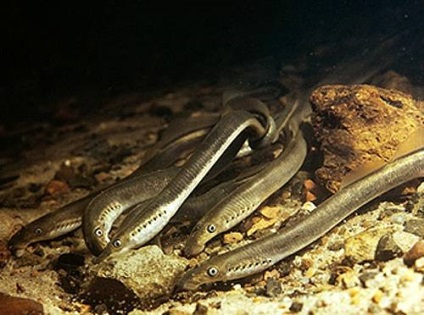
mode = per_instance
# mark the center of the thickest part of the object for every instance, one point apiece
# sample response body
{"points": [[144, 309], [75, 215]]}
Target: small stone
{"points": [[419, 265], [368, 279], [416, 252], [387, 248], [70, 261], [273, 288], [405, 240], [200, 309], [296, 307], [271, 274], [415, 226], [362, 247], [377, 297], [11, 305], [309, 206], [232, 238], [349, 280], [57, 187], [270, 212], [260, 225]]}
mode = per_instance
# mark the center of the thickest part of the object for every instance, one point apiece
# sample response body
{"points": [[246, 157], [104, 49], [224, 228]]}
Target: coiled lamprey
{"points": [[234, 127]]}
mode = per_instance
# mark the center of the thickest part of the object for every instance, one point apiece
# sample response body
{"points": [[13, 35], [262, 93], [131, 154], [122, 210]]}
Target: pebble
{"points": [[296, 307], [57, 187], [270, 212], [419, 264], [263, 223], [405, 240], [387, 248], [415, 226], [349, 280], [416, 252], [10, 305], [362, 247], [273, 287], [232, 238], [200, 309]]}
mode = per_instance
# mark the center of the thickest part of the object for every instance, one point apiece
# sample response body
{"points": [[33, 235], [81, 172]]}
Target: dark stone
{"points": [[415, 226], [387, 248], [273, 288], [365, 277], [112, 293], [70, 261], [296, 307], [200, 309]]}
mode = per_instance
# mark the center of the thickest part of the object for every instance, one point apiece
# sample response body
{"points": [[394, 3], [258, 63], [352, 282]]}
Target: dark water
{"points": [[52, 50]]}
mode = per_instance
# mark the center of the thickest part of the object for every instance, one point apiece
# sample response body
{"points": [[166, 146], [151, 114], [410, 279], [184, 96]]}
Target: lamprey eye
{"points": [[117, 243], [211, 228], [98, 232], [212, 271], [38, 231]]}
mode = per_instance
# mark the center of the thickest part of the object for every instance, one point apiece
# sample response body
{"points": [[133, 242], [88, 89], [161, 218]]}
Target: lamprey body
{"points": [[248, 196], [178, 138], [152, 218], [260, 255], [57, 223], [105, 207], [181, 135]]}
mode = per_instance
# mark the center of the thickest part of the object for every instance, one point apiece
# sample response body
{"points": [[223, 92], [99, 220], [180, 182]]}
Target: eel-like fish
{"points": [[264, 253]]}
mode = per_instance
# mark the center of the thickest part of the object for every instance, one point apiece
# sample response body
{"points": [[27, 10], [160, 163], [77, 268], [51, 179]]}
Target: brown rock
{"points": [[416, 252], [11, 305], [141, 278], [57, 187], [358, 125]]}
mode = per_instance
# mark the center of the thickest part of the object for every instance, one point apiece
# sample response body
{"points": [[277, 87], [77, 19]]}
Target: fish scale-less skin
{"points": [[104, 208], [137, 231], [248, 196], [260, 255]]}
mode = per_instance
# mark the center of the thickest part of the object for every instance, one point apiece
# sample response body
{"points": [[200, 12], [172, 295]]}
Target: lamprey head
{"points": [[204, 273], [119, 245], [40, 230], [99, 216], [25, 236], [95, 238], [228, 266], [202, 232]]}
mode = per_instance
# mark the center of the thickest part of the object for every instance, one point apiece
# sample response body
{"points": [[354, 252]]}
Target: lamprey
{"points": [[233, 126], [70, 217], [262, 254], [54, 224], [180, 135], [247, 197], [106, 206]]}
